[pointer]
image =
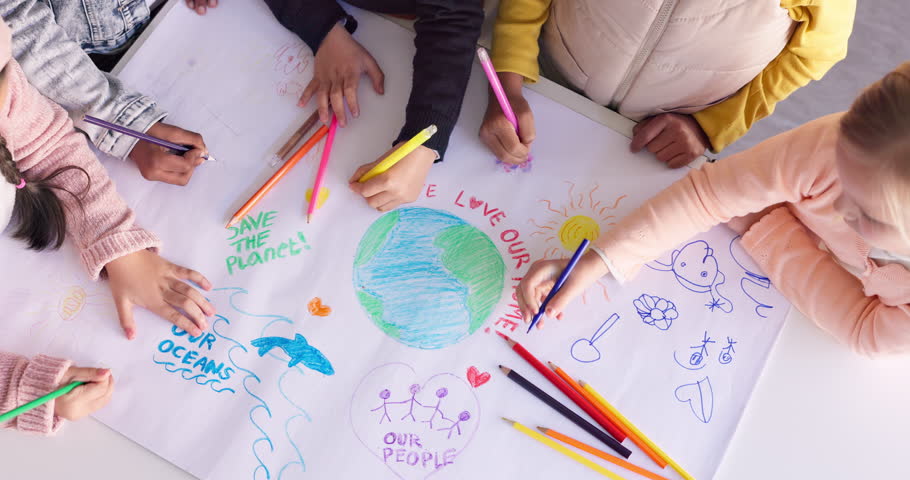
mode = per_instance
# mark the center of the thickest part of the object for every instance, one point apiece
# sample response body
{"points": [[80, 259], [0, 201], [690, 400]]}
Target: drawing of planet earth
{"points": [[426, 277]]}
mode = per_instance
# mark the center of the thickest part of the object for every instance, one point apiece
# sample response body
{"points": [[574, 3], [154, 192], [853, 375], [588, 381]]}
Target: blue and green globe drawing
{"points": [[426, 277]]}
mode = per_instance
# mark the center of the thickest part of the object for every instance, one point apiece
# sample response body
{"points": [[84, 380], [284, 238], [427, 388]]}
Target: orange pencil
{"points": [[277, 176], [619, 423], [600, 453]]}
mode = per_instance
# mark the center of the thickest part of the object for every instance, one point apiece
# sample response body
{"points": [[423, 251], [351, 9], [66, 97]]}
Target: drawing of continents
{"points": [[426, 277]]}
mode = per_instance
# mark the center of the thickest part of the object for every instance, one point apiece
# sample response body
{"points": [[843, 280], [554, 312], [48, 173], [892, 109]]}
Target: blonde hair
{"points": [[878, 123]]}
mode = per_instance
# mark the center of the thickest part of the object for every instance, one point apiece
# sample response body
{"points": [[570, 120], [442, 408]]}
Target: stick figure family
{"points": [[430, 413]]}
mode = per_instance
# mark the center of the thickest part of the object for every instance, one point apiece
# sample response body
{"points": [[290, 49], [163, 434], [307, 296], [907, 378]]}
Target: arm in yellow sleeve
{"points": [[817, 44], [515, 36]]}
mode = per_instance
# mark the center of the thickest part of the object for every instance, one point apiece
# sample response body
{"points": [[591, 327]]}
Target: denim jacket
{"points": [[52, 39]]}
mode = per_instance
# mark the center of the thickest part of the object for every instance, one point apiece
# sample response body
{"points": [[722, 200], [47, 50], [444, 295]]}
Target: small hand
{"points": [[537, 283], [157, 163], [200, 5], [87, 398], [400, 184], [340, 61], [145, 279], [498, 134], [674, 139]]}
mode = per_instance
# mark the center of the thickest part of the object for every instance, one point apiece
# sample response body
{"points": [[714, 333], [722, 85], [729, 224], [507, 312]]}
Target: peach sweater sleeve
{"points": [[786, 168], [23, 380], [823, 290], [41, 138]]}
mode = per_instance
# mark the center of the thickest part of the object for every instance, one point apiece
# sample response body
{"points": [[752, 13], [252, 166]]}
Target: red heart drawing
{"points": [[474, 203], [476, 379]]}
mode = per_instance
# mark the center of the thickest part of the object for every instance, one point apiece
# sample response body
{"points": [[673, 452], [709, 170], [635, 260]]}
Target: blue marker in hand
{"points": [[559, 281]]}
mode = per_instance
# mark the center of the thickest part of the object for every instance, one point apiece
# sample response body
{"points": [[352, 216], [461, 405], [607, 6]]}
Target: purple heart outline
{"points": [[444, 391]]}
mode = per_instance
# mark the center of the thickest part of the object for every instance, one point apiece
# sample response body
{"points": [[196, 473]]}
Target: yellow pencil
{"points": [[628, 424], [402, 151], [563, 450]]}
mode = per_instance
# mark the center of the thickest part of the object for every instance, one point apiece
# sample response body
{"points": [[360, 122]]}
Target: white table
{"points": [[819, 411]]}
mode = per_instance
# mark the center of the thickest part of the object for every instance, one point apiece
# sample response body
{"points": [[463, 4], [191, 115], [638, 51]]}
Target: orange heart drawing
{"points": [[317, 308]]}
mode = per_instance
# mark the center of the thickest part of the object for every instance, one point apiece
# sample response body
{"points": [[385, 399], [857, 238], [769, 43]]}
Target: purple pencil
{"points": [[142, 136]]}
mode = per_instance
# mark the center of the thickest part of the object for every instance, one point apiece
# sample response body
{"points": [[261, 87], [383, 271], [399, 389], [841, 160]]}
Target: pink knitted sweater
{"points": [[871, 312], [41, 138], [22, 381]]}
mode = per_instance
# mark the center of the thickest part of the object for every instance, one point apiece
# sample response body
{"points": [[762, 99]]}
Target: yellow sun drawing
{"points": [[61, 309], [583, 216]]}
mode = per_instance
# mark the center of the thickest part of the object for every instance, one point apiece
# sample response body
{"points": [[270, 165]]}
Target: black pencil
{"points": [[566, 412]]}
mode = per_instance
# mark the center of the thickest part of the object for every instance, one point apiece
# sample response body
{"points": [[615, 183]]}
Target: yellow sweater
{"points": [[818, 43]]}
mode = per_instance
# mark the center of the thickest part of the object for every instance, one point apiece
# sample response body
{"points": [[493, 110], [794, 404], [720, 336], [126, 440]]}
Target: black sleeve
{"points": [[311, 20], [447, 32]]}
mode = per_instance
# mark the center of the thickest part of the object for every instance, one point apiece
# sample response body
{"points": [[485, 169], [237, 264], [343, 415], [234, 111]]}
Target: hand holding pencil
{"points": [[87, 398], [541, 277]]}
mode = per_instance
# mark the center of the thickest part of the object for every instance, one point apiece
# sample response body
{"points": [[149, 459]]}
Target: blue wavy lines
{"points": [[287, 433], [211, 382]]}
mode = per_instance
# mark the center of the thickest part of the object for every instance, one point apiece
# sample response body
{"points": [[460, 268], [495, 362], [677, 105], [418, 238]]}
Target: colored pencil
{"points": [[600, 453], [559, 282], [39, 401], [286, 148], [323, 164], [563, 450], [566, 412], [180, 149], [498, 91], [572, 394], [609, 414], [401, 152], [281, 172], [633, 428]]}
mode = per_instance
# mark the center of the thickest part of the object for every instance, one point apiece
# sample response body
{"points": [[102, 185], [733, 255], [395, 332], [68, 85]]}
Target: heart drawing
{"points": [[318, 309], [476, 378], [474, 203], [414, 427]]}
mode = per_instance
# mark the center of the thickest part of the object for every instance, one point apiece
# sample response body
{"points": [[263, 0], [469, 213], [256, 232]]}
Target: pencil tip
{"points": [[542, 429], [552, 365], [308, 217], [231, 223], [508, 420], [582, 382], [505, 370]]}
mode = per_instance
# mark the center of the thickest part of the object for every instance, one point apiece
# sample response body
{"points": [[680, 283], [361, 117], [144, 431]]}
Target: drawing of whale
{"points": [[299, 351]]}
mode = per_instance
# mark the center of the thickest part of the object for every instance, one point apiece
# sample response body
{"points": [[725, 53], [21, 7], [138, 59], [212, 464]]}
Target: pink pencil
{"points": [[495, 84], [320, 175]]}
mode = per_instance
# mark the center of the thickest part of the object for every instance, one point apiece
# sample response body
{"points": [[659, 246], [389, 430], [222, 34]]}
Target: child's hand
{"points": [[340, 62], [400, 184], [200, 5], [156, 163], [673, 138], [498, 134], [85, 399], [536, 285], [147, 280]]}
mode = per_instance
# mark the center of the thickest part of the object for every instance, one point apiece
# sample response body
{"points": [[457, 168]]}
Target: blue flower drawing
{"points": [[655, 311]]}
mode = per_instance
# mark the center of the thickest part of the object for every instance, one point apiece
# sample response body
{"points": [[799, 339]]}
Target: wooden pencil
{"points": [[307, 125], [564, 388], [600, 453], [267, 186], [563, 450], [607, 413], [654, 447], [566, 412]]}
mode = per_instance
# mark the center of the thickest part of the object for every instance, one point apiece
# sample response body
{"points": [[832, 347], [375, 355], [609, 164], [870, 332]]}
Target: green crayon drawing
{"points": [[426, 277]]}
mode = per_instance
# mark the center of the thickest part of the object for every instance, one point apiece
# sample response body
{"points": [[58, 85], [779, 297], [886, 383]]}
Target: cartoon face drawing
{"points": [[696, 268]]}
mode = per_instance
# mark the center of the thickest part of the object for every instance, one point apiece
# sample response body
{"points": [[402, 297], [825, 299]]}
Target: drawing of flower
{"points": [[655, 311]]}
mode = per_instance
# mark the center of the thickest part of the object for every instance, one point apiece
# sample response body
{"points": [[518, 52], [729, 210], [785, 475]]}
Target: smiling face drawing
{"points": [[696, 267]]}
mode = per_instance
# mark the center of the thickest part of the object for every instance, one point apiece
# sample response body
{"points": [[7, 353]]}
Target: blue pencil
{"points": [[559, 281], [178, 149]]}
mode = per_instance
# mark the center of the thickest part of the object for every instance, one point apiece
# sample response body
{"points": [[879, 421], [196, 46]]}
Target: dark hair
{"points": [[38, 213]]}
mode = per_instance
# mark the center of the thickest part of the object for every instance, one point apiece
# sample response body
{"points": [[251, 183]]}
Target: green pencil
{"points": [[39, 401]]}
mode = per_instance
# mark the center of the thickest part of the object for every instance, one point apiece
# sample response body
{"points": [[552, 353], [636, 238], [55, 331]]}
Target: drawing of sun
{"points": [[581, 216], [57, 309]]}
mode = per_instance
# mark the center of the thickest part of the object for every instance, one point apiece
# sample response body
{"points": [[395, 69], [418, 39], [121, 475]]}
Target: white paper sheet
{"points": [[398, 359]]}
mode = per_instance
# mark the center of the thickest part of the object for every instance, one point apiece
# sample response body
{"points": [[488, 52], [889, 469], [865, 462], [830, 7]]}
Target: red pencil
{"points": [[572, 394]]}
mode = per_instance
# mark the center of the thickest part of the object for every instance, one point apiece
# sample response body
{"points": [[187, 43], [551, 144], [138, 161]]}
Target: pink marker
{"points": [[320, 174], [487, 65]]}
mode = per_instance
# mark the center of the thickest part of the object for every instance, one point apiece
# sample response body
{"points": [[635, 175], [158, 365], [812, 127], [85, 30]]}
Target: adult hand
{"points": [[498, 134], [537, 283], [145, 279], [201, 6], [87, 398], [674, 139], [400, 184], [157, 163], [340, 62]]}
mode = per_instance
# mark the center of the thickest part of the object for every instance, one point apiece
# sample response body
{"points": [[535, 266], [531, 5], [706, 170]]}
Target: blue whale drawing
{"points": [[299, 351]]}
